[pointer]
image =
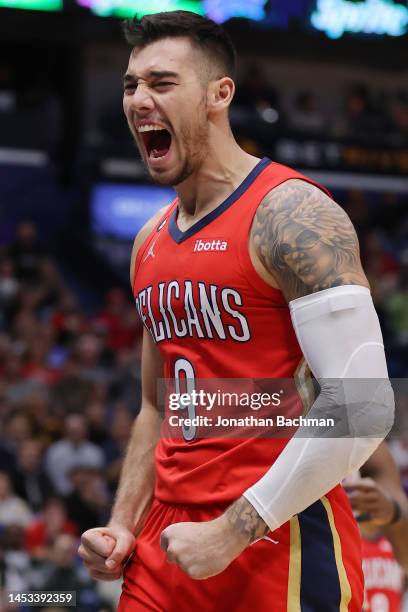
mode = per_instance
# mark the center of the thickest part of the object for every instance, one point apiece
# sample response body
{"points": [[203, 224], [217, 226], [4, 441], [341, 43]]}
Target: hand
{"points": [[202, 549], [105, 550], [368, 498]]}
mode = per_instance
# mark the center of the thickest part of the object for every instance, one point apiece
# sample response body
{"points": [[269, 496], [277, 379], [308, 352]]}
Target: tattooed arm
{"points": [[245, 521], [306, 243], [305, 240]]}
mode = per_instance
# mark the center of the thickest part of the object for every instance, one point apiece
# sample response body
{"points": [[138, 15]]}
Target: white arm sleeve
{"points": [[340, 337]]}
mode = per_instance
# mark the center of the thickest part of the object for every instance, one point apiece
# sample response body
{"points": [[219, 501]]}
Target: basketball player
{"points": [[382, 509], [236, 523]]}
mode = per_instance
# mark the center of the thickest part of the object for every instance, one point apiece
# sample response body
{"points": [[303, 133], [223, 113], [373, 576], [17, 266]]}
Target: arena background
{"points": [[323, 86]]}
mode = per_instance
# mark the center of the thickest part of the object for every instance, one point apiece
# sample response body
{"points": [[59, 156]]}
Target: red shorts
{"points": [[310, 564]]}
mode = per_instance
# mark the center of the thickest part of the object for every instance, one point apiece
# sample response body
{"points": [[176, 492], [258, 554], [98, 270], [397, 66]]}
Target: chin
{"points": [[162, 178], [170, 177], [163, 182]]}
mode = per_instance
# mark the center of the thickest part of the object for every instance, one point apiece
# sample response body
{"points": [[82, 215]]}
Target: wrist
{"points": [[230, 532], [123, 520], [396, 514], [245, 522]]}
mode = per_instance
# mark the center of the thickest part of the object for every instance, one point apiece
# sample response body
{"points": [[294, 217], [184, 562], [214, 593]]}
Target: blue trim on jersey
{"points": [[319, 583], [180, 236]]}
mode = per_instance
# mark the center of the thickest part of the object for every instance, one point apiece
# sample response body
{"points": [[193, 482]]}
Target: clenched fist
{"points": [[105, 550], [371, 501], [202, 549]]}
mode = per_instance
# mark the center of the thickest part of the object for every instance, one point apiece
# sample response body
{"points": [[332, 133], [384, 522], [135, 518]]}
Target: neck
{"points": [[224, 168]]}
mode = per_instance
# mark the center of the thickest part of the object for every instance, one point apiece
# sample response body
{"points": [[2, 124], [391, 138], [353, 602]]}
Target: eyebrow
{"points": [[157, 74]]}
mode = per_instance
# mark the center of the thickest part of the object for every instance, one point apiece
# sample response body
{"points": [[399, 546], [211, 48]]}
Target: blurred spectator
{"points": [[390, 215], [30, 481], [254, 90], [5, 348], [71, 393], [126, 384], [18, 428], [396, 306], [359, 112], [18, 386], [43, 530], [380, 265], [61, 573], [36, 366], [114, 449], [9, 288], [88, 503], [25, 321], [46, 418], [7, 459], [399, 113], [15, 563], [13, 509], [97, 422], [73, 450], [7, 90], [90, 353], [356, 205], [118, 320], [374, 494], [68, 321], [51, 285], [26, 253], [399, 451], [305, 116]]}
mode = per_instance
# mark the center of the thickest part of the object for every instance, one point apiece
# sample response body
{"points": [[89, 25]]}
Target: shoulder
{"points": [[142, 235], [300, 201], [306, 240], [296, 194]]}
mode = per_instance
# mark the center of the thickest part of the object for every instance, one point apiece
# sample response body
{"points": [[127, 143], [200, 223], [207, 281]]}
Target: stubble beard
{"points": [[195, 145]]}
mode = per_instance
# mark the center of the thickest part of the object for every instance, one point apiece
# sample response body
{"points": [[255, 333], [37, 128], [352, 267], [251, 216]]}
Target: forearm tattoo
{"points": [[305, 240], [244, 519]]}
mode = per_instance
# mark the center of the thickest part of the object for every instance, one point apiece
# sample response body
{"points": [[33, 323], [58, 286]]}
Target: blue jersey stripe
{"points": [[320, 584]]}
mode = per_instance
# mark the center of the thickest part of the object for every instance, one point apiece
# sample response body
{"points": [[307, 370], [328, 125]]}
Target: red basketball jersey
{"points": [[212, 316], [383, 577]]}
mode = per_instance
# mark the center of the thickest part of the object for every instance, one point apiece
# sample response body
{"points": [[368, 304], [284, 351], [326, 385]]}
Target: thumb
{"points": [[119, 553], [164, 540]]}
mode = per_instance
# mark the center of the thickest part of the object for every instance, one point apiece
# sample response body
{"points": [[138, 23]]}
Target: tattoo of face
{"points": [[244, 519], [305, 240]]}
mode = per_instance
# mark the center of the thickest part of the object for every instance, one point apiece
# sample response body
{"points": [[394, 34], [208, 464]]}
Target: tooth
{"points": [[150, 128]]}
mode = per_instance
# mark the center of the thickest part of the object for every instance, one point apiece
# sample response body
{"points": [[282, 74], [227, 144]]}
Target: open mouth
{"points": [[157, 141]]}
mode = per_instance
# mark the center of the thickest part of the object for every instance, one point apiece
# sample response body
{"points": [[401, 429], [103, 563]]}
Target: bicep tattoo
{"points": [[306, 241]]}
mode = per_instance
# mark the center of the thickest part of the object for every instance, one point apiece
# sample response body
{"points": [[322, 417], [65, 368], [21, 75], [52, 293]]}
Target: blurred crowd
{"points": [[381, 223], [359, 112], [70, 389]]}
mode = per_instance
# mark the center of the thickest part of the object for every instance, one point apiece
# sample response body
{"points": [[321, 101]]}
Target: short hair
{"points": [[206, 35]]}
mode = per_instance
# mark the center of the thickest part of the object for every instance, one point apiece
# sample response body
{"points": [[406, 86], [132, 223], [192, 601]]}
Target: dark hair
{"points": [[205, 34]]}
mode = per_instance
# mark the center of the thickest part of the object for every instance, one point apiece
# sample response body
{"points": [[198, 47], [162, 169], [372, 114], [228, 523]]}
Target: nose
{"points": [[141, 101], [298, 254]]}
